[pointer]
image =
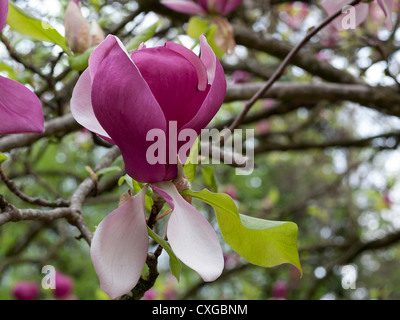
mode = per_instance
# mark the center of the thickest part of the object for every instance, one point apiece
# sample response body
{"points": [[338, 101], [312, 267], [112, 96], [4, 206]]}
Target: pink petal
{"points": [[81, 105], [216, 93], [191, 236], [120, 245], [173, 81], [231, 5], [217, 6], [20, 109], [331, 7], [190, 56], [3, 13], [125, 107], [387, 7], [208, 58], [184, 6]]}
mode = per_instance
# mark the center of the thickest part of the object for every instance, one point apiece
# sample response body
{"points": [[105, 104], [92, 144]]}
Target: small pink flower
{"points": [[25, 290]]}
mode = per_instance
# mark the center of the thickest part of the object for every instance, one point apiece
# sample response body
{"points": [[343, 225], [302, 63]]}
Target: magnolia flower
{"points": [[122, 97], [20, 109], [79, 33], [361, 11], [202, 7]]}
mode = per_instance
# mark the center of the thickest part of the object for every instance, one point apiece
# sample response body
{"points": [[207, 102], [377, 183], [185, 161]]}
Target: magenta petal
{"points": [[3, 13], [20, 109], [231, 5], [208, 59], [173, 80], [184, 6], [216, 94], [194, 60], [191, 236], [126, 108], [120, 245], [81, 105]]}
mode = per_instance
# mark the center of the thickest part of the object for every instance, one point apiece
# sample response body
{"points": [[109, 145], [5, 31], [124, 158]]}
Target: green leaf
{"points": [[108, 170], [208, 177], [174, 263], [22, 22], [196, 27], [10, 71], [210, 39], [189, 168], [143, 36], [261, 242], [81, 61], [2, 158]]}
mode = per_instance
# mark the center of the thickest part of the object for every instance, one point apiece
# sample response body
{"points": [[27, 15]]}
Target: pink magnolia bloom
{"points": [[20, 109], [202, 7], [362, 10], [121, 97], [25, 290]]}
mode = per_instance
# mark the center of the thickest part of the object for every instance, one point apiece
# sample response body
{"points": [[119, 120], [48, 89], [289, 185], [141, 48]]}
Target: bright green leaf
{"points": [[210, 39], [142, 37], [261, 242], [196, 27], [2, 158], [10, 71], [22, 22], [189, 168], [208, 177], [174, 263], [81, 61]]}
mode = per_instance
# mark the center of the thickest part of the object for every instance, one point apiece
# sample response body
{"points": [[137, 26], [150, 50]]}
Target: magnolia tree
{"points": [[153, 149]]}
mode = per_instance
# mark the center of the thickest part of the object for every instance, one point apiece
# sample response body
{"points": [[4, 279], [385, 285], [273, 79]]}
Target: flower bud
{"points": [[79, 33], [64, 286], [24, 290]]}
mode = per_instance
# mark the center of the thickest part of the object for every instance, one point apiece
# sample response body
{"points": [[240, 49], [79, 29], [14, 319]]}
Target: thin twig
{"points": [[281, 69]]}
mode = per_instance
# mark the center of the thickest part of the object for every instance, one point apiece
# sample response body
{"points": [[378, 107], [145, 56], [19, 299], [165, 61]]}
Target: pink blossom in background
{"points": [[202, 7], [25, 290], [361, 13], [240, 76], [122, 97], [295, 13], [64, 286], [231, 191], [280, 289]]}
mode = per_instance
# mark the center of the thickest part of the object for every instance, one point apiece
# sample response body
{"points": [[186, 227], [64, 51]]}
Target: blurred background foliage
{"points": [[345, 200]]}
